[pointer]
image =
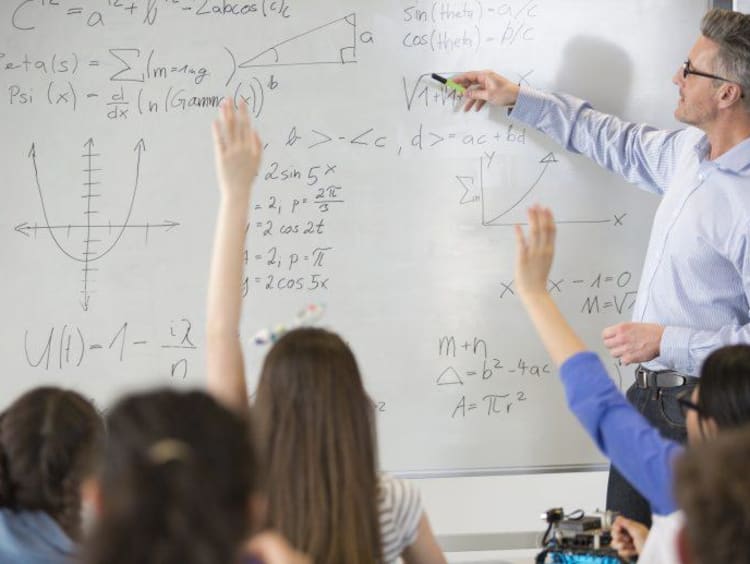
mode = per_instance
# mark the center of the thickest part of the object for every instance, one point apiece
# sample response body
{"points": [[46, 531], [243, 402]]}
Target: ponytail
{"points": [[174, 490]]}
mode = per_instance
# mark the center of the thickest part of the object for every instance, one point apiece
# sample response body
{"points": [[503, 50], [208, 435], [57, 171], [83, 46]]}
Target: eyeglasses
{"points": [[686, 70], [687, 405]]}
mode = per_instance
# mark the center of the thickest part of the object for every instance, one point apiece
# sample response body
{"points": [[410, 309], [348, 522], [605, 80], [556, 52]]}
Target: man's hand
{"points": [[486, 86], [628, 537], [633, 342]]}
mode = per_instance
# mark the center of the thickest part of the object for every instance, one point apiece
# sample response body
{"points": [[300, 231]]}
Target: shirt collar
{"points": [[734, 160]]}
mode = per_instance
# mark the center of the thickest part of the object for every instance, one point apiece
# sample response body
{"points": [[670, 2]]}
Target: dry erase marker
{"points": [[449, 83]]}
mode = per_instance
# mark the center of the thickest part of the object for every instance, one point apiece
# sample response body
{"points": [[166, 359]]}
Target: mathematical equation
{"points": [[69, 346], [137, 83], [468, 364], [446, 27], [618, 293], [288, 245], [30, 14], [490, 405]]}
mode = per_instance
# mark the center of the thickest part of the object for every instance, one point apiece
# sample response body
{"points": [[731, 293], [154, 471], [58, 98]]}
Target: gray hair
{"points": [[731, 31]]}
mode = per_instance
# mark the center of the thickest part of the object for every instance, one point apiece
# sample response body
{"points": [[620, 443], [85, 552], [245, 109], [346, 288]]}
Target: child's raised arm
{"points": [[534, 253], [237, 149]]}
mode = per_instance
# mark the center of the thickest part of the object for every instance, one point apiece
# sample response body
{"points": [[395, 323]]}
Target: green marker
{"points": [[449, 83]]}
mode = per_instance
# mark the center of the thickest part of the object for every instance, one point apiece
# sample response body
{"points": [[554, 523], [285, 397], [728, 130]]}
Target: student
{"points": [[713, 488], [316, 419], [49, 441], [635, 447], [695, 288], [178, 484]]}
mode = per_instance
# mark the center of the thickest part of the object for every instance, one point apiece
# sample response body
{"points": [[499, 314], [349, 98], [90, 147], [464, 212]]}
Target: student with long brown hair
{"points": [[316, 419], [49, 441]]}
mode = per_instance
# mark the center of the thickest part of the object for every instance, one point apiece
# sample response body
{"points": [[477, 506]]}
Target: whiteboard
{"points": [[377, 198]]}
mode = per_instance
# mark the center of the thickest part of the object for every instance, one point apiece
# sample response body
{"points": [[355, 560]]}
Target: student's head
{"points": [[49, 442], [722, 51], [176, 484], [319, 433], [722, 400], [712, 487]]}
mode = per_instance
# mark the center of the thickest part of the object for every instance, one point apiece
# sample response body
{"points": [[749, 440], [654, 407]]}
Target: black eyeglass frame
{"points": [[686, 71]]}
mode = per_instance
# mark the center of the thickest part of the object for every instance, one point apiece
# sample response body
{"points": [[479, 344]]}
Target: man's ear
{"points": [[91, 495], [684, 553], [729, 93]]}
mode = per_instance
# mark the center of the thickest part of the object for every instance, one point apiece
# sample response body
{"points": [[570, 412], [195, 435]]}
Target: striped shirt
{"points": [[400, 510], [696, 275]]}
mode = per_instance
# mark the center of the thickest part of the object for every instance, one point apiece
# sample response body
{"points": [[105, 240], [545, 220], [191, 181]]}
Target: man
{"points": [[693, 293]]}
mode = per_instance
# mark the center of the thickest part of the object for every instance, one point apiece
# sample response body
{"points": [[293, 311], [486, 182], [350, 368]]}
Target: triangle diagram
{"points": [[333, 43]]}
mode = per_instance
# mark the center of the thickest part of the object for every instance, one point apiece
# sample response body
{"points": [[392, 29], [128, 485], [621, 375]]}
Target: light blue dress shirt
{"points": [[696, 275], [632, 444]]}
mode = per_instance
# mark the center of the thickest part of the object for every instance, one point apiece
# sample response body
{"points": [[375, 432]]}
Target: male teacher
{"points": [[693, 292]]}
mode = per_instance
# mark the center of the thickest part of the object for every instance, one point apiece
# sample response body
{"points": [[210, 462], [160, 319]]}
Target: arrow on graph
{"points": [[26, 229]]}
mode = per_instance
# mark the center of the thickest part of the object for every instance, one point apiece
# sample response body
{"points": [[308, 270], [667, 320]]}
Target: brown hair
{"points": [[49, 441], [712, 486], [318, 425], [176, 481]]}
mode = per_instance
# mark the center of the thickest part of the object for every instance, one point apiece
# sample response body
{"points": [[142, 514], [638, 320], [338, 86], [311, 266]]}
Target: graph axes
{"points": [[25, 228], [546, 161]]}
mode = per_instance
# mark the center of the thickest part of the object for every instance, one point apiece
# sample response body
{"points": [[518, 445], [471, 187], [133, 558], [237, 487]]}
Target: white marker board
{"points": [[376, 198]]}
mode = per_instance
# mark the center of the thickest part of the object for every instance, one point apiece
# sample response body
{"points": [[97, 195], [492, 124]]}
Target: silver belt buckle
{"points": [[642, 377]]}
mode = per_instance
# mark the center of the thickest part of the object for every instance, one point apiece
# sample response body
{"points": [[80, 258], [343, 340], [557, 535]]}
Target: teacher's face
{"points": [[698, 102]]}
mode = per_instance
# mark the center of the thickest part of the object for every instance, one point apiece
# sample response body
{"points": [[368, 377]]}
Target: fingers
{"points": [[233, 126], [227, 115], [475, 98], [620, 345], [541, 228], [243, 123], [547, 228], [611, 331], [533, 215], [469, 78], [521, 247], [476, 93], [614, 337]]}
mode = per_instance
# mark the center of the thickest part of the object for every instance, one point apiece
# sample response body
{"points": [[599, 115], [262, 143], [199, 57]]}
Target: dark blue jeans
{"points": [[660, 407]]}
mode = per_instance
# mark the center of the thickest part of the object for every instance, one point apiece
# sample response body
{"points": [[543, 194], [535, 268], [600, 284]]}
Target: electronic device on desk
{"points": [[578, 539]]}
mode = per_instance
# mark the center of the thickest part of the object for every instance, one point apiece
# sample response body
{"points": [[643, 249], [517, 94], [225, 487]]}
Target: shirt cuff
{"points": [[529, 105], [674, 349]]}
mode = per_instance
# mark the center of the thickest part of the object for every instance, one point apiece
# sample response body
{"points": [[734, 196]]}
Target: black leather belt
{"points": [[645, 378]]}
